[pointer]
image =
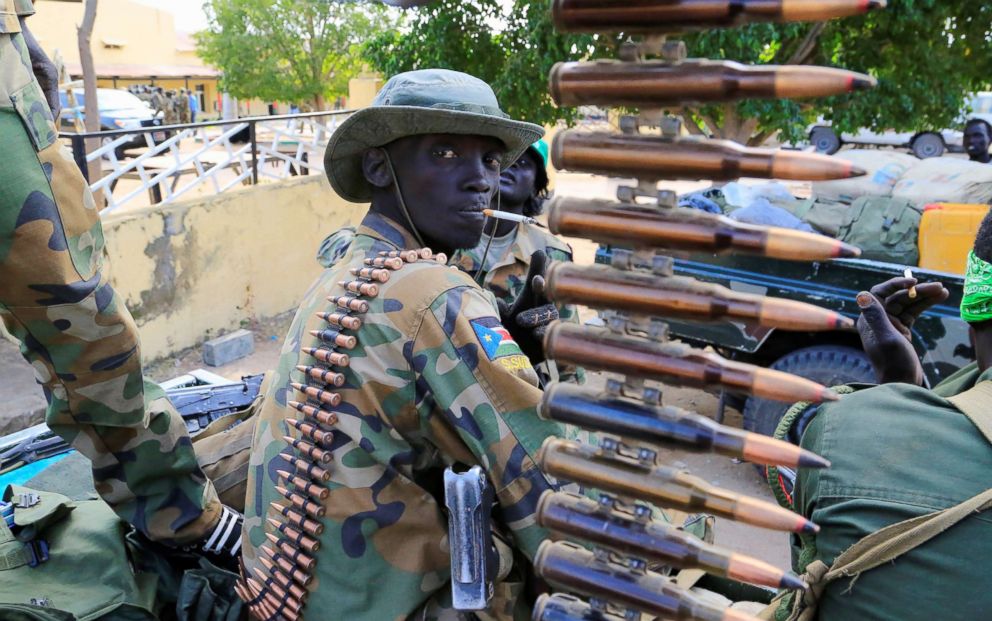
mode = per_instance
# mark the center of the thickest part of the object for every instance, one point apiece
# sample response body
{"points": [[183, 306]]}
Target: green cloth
{"points": [[899, 452], [976, 304], [541, 148]]}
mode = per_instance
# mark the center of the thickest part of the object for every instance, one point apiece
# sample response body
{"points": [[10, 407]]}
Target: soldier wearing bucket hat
{"points": [[409, 370]]}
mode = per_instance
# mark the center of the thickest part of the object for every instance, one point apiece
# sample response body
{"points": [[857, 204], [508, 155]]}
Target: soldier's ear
{"points": [[375, 168]]}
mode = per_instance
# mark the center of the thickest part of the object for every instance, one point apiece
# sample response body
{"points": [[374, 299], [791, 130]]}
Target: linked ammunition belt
{"points": [[625, 571], [278, 590]]}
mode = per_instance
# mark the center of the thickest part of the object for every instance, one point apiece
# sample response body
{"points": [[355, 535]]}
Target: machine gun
{"points": [[625, 573]]}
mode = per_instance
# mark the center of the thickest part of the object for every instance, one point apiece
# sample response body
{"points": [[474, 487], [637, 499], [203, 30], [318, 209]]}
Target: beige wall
{"points": [[148, 35], [194, 270]]}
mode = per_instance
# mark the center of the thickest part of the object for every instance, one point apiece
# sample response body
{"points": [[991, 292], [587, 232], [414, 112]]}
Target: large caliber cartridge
{"points": [[653, 84], [569, 567], [601, 287], [659, 16], [667, 427], [675, 363], [609, 222], [655, 158], [575, 516], [662, 486]]}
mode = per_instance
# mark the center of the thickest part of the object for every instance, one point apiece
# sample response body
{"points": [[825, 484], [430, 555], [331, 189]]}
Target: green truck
{"points": [[831, 358]]}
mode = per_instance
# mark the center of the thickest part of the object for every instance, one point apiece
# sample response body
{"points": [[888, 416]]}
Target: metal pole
{"points": [[79, 154], [254, 153]]}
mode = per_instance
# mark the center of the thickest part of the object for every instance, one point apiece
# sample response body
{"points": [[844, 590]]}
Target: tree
{"points": [[91, 111], [288, 50], [928, 55]]}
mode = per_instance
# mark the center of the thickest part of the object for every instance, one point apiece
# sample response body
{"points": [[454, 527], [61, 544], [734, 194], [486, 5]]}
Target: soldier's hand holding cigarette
{"points": [[888, 313]]}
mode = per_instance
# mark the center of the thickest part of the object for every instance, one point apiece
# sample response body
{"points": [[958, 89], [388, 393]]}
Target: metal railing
{"points": [[223, 155]]}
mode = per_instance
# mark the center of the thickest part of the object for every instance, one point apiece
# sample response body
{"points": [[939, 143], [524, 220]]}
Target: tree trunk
{"points": [[319, 105], [84, 33]]}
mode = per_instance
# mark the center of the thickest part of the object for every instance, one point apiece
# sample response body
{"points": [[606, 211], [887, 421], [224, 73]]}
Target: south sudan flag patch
{"points": [[498, 344]]}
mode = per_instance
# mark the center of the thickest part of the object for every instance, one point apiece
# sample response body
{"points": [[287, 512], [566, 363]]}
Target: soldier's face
{"points": [[976, 140], [516, 183], [447, 180]]}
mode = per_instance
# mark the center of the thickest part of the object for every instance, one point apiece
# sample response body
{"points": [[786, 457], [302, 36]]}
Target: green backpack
{"points": [[97, 570], [886, 229]]}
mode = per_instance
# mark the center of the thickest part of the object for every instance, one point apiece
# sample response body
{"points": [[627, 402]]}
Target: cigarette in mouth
{"points": [[912, 290], [505, 215]]}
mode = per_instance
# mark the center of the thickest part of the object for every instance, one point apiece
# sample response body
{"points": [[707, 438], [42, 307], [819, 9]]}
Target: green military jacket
{"points": [[507, 276], [898, 452], [433, 380]]}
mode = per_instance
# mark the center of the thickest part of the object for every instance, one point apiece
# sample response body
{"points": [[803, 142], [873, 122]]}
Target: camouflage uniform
{"points": [[433, 380], [507, 276], [73, 328]]}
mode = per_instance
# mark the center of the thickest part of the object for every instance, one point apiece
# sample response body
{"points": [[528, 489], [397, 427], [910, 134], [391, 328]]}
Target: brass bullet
{"points": [[323, 438], [328, 356], [322, 375], [342, 320], [309, 450], [298, 575], [674, 296], [305, 486], [660, 16], [661, 485], [675, 363], [441, 258], [654, 158], [608, 222], [357, 286], [656, 84], [306, 563], [567, 566], [307, 543], [372, 273], [274, 599], [666, 427], [321, 416], [408, 256], [284, 582], [574, 516], [274, 570], [332, 399], [334, 337], [425, 253], [350, 303], [392, 263], [299, 501], [311, 470]]}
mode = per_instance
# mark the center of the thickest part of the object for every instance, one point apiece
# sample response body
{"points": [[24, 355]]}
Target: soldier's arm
{"points": [[486, 388], [43, 68]]}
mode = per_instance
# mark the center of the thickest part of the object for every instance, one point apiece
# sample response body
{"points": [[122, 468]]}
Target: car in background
{"points": [[118, 110], [922, 144]]}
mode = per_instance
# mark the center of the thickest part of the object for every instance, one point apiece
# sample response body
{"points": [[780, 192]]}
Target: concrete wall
{"points": [[193, 270]]}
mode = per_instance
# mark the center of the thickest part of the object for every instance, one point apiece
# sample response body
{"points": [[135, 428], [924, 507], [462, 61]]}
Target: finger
{"points": [[926, 300], [540, 316], [891, 286], [873, 313]]}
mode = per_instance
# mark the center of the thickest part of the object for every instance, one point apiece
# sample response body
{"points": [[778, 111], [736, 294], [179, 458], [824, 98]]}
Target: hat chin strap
{"points": [[402, 203]]}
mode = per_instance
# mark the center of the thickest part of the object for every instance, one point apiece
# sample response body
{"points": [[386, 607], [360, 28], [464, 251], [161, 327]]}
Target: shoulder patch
{"points": [[498, 344]]}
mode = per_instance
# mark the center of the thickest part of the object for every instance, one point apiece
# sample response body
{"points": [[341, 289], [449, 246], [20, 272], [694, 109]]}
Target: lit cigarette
{"points": [[912, 290], [505, 215]]}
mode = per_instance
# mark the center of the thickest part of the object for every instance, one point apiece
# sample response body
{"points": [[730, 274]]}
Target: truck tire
{"points": [[825, 140], [830, 365], [928, 145]]}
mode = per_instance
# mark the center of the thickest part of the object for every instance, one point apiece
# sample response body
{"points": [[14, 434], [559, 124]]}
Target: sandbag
{"points": [[884, 228], [885, 169], [946, 179]]}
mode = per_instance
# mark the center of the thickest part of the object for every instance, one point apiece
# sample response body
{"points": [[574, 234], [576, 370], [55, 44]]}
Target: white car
{"points": [[923, 144]]}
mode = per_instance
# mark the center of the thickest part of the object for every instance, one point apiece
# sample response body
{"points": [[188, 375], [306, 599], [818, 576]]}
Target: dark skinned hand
{"points": [[528, 318], [886, 322]]}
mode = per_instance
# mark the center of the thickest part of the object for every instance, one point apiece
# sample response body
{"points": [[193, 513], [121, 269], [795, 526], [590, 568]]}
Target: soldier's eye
{"points": [[492, 160], [445, 153]]}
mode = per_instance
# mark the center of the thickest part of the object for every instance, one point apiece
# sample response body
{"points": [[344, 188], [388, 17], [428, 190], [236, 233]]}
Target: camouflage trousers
{"points": [[75, 331]]}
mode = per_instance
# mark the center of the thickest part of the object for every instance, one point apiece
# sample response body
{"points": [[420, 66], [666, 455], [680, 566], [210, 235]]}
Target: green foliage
{"points": [[288, 50], [928, 55]]}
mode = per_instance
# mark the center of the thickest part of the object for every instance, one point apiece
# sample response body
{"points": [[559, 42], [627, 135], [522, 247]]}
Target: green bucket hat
{"points": [[430, 101]]}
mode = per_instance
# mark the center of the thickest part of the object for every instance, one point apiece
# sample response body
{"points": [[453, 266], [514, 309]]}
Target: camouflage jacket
{"points": [[506, 278], [10, 10], [434, 379]]}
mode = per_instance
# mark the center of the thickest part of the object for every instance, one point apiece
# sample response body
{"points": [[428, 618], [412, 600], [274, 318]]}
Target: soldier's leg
{"points": [[82, 342]]}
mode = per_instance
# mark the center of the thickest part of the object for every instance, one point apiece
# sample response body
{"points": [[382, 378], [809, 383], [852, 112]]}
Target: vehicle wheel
{"points": [[825, 140], [928, 145], [830, 365]]}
